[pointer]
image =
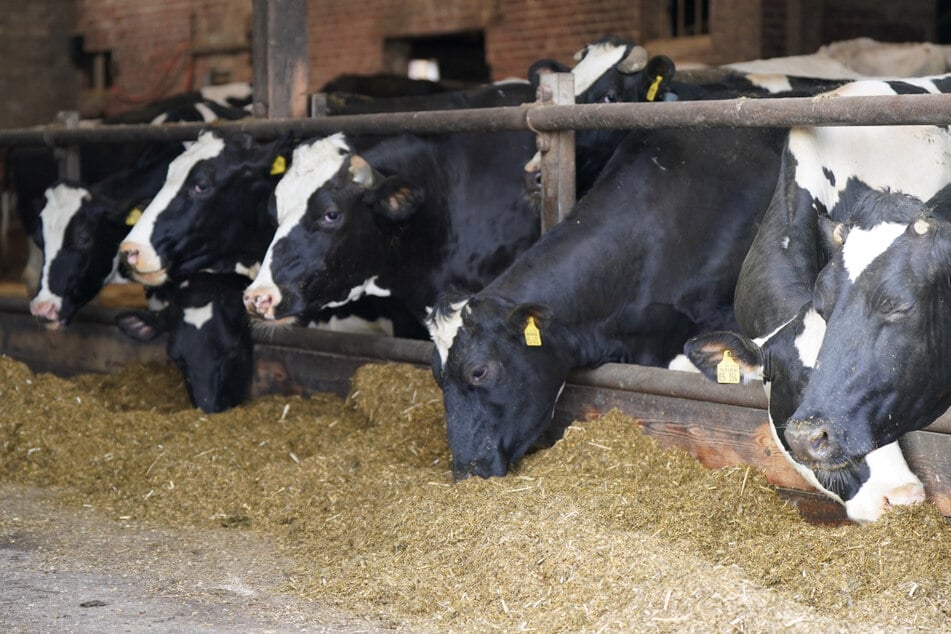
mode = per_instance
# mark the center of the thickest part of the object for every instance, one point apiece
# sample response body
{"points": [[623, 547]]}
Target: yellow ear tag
{"points": [[279, 166], [728, 370], [652, 91], [134, 214], [533, 336]]}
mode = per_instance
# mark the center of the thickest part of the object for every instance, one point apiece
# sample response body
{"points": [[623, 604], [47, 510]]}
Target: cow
{"points": [[209, 337], [403, 218], [211, 212], [846, 331], [78, 233], [648, 258], [613, 70]]}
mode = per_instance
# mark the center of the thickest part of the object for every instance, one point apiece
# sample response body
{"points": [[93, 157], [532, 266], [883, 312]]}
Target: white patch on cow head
{"points": [[784, 243], [599, 59], [890, 483], [771, 83], [864, 245], [312, 165], [810, 339], [682, 363], [369, 287], [443, 328], [208, 145], [207, 114], [63, 202], [222, 93], [250, 272], [197, 317]]}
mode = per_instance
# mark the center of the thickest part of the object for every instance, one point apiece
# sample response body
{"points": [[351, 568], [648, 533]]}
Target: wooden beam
{"points": [[279, 58], [557, 152]]}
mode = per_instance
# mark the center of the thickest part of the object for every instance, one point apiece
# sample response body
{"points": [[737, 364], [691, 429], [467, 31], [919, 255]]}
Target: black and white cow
{"points": [[402, 218], [78, 233], [612, 70], [850, 340], [209, 337], [211, 212], [648, 258]]}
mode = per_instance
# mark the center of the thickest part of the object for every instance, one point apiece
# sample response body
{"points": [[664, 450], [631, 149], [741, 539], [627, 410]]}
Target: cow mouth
{"points": [[270, 321], [156, 277]]}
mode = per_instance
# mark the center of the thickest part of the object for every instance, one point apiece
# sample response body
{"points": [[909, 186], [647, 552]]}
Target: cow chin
{"points": [[150, 278]]}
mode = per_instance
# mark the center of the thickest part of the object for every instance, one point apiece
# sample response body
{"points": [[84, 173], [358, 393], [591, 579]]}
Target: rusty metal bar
{"points": [[800, 111]]}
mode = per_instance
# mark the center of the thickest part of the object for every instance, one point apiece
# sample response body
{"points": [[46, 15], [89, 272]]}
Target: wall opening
{"points": [[452, 58]]}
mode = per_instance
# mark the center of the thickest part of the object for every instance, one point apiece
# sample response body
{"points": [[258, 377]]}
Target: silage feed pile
{"points": [[605, 531]]}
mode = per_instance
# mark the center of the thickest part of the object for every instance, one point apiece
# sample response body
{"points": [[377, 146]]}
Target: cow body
{"points": [[648, 257], [874, 286], [209, 337], [404, 218]]}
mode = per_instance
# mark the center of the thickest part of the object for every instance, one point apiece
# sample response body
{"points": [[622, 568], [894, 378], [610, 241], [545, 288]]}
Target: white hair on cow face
{"points": [[598, 59], [444, 326], [312, 165], [864, 245], [208, 145], [62, 203]]}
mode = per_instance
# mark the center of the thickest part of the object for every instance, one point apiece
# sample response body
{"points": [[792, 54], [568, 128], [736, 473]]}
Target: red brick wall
{"points": [[150, 40]]}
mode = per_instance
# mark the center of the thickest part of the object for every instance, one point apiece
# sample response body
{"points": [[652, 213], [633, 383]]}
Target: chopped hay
{"points": [[606, 530]]}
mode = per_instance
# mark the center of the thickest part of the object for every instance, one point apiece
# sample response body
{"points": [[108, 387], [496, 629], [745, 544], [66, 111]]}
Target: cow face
{"points": [[882, 367], [339, 219], [499, 392], [77, 233], [785, 361], [209, 338], [205, 216]]}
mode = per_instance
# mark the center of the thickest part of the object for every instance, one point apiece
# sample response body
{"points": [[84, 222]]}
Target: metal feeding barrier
{"points": [[719, 425]]}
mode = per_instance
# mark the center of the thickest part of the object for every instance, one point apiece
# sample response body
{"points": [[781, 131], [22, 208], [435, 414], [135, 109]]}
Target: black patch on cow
{"points": [[830, 175], [904, 88]]}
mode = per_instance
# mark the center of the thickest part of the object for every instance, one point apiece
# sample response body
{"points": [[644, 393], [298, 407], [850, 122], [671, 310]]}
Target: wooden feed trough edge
{"points": [[718, 425]]}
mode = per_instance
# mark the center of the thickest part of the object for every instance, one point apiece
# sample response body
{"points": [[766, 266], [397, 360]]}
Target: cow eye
{"points": [[610, 97], [82, 239], [893, 310], [330, 218], [479, 374], [199, 188]]}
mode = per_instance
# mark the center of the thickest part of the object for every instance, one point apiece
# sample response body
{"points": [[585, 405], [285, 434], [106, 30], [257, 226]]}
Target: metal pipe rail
{"points": [[918, 109]]}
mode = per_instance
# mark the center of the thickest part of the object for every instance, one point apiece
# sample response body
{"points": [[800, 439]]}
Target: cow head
{"points": [[209, 337], [77, 233], [864, 362], [339, 218], [501, 367], [609, 70], [882, 368], [210, 214]]}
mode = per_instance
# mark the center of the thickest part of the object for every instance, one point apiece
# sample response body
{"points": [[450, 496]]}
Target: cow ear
{"points": [[544, 67], [530, 322], [832, 234], [707, 351], [142, 325], [657, 76], [396, 198], [362, 173]]}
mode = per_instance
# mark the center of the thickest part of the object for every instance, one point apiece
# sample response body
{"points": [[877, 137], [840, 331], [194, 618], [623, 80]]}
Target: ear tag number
{"points": [[652, 91], [728, 370], [134, 214], [533, 336], [279, 166]]}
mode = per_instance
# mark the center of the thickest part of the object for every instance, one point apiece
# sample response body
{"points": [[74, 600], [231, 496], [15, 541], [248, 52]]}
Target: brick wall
{"points": [[150, 42], [36, 77]]}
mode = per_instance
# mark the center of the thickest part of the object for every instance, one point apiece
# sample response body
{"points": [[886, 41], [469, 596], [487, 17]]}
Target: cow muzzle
{"points": [[142, 264], [815, 442], [47, 311], [262, 302]]}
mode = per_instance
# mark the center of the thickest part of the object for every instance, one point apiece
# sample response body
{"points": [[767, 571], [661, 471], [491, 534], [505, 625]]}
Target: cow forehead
{"points": [[312, 166], [444, 326], [207, 146], [864, 245], [197, 316], [62, 203], [599, 59]]}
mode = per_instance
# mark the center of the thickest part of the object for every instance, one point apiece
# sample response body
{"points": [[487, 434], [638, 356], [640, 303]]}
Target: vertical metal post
{"points": [[67, 157], [557, 153], [279, 58]]}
